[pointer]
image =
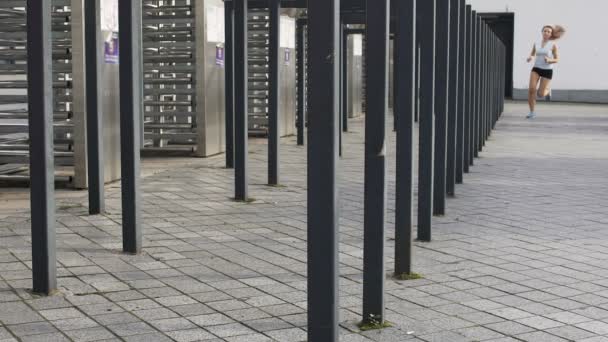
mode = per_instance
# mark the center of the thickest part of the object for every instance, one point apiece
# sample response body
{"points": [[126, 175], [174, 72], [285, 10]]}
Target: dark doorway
{"points": [[503, 24]]}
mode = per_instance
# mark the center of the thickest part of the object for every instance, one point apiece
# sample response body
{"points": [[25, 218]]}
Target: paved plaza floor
{"points": [[521, 255]]}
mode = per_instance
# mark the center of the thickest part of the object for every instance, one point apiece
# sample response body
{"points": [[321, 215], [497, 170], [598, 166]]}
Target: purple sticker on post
{"points": [[287, 56], [219, 55], [111, 50]]}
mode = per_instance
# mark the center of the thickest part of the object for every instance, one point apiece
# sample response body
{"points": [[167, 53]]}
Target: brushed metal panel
{"points": [[355, 76], [78, 91], [287, 81], [111, 120], [210, 82]]}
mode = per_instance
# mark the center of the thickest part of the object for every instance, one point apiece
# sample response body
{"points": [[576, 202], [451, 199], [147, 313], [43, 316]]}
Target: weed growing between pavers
{"points": [[408, 276], [373, 323]]}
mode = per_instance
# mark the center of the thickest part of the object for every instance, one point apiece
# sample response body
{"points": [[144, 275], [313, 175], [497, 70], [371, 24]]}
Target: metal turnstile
{"points": [[258, 49], [14, 141], [169, 75]]}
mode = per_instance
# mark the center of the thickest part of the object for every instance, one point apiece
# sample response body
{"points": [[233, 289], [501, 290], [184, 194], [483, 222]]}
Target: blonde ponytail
{"points": [[558, 32]]}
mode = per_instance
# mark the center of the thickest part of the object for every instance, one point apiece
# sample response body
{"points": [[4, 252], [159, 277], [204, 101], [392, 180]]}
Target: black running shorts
{"points": [[544, 73]]}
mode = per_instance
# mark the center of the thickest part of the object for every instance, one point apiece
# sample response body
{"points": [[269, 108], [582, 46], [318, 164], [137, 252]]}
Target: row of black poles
{"points": [[237, 91], [460, 83], [40, 99]]}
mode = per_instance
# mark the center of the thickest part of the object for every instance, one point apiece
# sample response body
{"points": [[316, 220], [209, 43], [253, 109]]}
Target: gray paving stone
{"points": [[35, 328], [16, 313], [210, 319], [55, 337], [89, 334], [176, 300], [115, 318], [128, 329], [570, 333], [4, 334], [229, 330], [249, 338], [509, 328], [156, 337], [540, 336], [596, 327], [192, 310], [288, 335], [510, 313], [172, 324], [190, 335], [595, 339], [57, 314], [540, 323], [445, 336], [75, 323], [568, 317], [478, 333], [247, 314]]}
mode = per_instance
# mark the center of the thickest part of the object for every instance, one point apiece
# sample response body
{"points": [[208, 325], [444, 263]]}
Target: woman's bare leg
{"points": [[534, 77], [545, 87]]}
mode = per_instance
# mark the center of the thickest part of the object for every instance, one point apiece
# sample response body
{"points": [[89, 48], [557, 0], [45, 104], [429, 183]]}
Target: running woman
{"points": [[546, 54]]}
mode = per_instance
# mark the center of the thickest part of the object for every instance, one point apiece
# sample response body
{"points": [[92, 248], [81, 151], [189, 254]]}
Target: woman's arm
{"points": [[532, 54], [555, 58]]}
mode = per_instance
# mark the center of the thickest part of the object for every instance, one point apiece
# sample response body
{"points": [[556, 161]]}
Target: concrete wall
{"points": [[582, 74]]}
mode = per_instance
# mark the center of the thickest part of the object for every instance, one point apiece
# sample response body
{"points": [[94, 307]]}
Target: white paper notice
{"points": [[357, 45], [288, 32], [109, 15], [215, 24]]}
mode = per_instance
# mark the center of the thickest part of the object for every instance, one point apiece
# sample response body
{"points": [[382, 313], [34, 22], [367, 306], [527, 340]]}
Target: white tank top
{"points": [[542, 52]]}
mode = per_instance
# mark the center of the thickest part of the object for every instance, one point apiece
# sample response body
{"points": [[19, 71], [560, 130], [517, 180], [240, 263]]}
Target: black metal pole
{"points": [[426, 10], [376, 89], [341, 89], [241, 92], [491, 76], [462, 84], [453, 100], [468, 157], [93, 62], [229, 83], [485, 85], [274, 92], [477, 47], [417, 69], [323, 206], [480, 111], [490, 68], [441, 104], [345, 98], [488, 87], [301, 79], [404, 83], [482, 88], [42, 167], [131, 103]]}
